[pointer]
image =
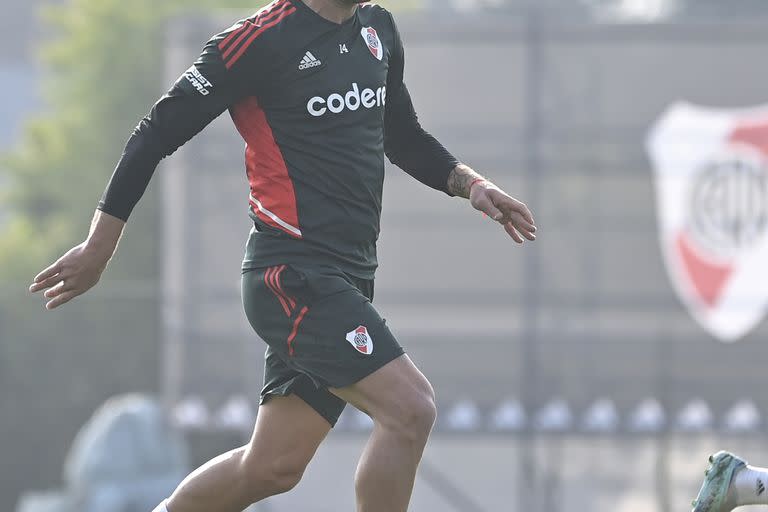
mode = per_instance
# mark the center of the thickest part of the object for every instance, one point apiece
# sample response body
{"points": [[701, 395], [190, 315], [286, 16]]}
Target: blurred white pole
{"points": [[529, 470], [174, 241]]}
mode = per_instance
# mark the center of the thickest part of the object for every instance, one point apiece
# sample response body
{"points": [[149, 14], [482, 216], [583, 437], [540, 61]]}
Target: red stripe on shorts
{"points": [[269, 277], [287, 297], [295, 330]]}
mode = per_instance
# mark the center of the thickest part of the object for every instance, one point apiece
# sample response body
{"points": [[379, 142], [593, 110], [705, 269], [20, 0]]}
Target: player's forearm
{"points": [[132, 175], [424, 158], [460, 180], [104, 234], [412, 148]]}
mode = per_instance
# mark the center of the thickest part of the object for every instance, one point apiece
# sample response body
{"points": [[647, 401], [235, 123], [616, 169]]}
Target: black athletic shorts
{"points": [[321, 330]]}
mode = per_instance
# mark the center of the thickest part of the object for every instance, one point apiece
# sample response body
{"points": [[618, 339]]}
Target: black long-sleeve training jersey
{"points": [[318, 104]]}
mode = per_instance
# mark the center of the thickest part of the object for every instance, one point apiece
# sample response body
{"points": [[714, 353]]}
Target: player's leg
{"points": [[401, 402], [730, 482], [286, 437], [339, 341]]}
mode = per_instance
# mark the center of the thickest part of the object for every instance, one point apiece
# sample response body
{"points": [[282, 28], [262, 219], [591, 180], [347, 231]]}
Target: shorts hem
{"points": [[380, 363], [295, 389]]}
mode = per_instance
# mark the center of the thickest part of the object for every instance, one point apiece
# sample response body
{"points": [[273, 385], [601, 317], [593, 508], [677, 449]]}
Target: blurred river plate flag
{"points": [[711, 177]]}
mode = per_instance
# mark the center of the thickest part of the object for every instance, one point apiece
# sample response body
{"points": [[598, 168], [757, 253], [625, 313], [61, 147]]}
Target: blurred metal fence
{"points": [[570, 375]]}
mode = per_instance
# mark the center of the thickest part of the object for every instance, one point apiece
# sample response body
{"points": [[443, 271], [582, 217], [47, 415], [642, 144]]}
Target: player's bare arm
{"points": [[486, 197], [81, 267]]}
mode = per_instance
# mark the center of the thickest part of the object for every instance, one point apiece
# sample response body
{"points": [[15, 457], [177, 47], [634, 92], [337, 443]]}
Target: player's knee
{"points": [[428, 411], [283, 478], [416, 415], [271, 477]]}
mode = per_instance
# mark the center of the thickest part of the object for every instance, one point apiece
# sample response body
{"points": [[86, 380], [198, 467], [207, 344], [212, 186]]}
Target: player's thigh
{"points": [[287, 434], [398, 393]]}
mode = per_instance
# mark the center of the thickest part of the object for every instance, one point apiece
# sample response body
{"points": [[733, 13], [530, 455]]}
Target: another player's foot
{"points": [[714, 494]]}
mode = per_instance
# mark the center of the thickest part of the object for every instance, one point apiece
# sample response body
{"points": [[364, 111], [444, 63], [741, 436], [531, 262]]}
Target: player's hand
{"points": [[73, 274], [504, 209]]}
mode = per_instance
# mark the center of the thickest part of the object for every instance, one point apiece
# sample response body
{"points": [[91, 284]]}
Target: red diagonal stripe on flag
{"points": [[752, 133], [707, 277]]}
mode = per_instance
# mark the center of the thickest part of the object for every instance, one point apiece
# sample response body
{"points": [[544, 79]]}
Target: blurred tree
{"points": [[103, 63], [104, 66]]}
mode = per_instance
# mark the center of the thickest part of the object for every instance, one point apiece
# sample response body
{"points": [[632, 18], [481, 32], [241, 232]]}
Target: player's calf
{"points": [[236, 480], [287, 434]]}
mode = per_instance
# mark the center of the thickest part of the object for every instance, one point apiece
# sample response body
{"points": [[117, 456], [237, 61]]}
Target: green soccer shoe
{"points": [[713, 495]]}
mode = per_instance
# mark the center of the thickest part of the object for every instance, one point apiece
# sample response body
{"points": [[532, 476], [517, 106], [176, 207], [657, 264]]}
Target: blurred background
{"points": [[593, 370]]}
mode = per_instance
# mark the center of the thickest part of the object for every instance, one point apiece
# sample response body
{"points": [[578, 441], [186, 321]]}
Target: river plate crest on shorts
{"points": [[361, 340], [711, 169]]}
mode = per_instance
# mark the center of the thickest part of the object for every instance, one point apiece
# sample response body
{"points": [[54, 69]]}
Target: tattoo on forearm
{"points": [[460, 179]]}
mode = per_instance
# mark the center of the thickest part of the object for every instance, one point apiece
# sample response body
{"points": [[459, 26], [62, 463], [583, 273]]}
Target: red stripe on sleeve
{"points": [[256, 34], [243, 35], [266, 11], [267, 16], [234, 34]]}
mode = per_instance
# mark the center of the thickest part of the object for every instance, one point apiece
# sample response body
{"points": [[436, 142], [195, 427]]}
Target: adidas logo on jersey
{"points": [[309, 61]]}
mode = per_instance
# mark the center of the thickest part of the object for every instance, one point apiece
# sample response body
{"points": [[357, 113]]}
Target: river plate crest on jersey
{"points": [[361, 340], [711, 170], [371, 38]]}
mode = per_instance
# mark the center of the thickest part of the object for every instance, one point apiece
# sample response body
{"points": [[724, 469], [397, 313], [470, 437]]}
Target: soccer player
{"points": [[730, 482], [315, 87]]}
